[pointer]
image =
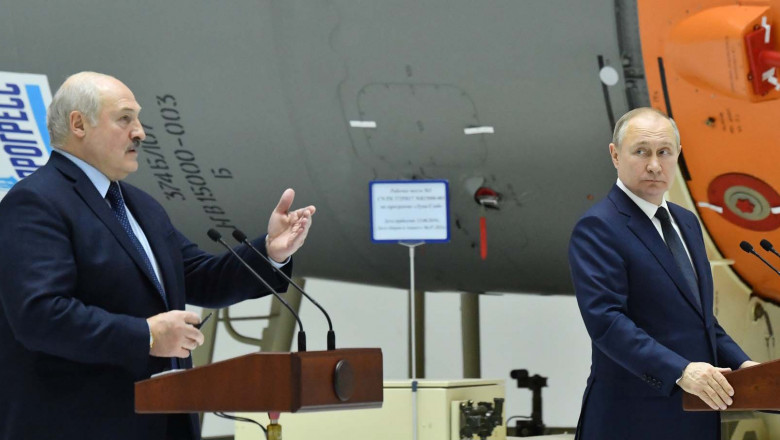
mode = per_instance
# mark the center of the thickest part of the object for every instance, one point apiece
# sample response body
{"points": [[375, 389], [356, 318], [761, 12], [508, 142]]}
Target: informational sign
{"points": [[413, 210], [24, 138]]}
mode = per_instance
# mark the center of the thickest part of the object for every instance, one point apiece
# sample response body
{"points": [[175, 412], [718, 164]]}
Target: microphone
{"points": [[241, 238], [216, 236], [768, 247], [747, 247]]}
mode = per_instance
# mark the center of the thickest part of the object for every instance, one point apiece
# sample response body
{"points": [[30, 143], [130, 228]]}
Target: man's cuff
{"points": [[279, 265], [681, 375]]}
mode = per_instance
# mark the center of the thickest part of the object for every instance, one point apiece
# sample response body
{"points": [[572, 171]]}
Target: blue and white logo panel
{"points": [[24, 139]]}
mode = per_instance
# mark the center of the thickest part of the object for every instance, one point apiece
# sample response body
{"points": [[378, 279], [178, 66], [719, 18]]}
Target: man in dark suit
{"points": [[95, 279], [644, 288]]}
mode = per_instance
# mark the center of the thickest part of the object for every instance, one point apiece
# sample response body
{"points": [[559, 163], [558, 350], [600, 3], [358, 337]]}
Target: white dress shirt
{"points": [[650, 209]]}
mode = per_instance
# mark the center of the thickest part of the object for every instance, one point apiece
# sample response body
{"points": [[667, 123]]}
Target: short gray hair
{"points": [[78, 93], [622, 124]]}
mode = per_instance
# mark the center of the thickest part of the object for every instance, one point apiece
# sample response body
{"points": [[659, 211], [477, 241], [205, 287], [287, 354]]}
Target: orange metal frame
{"points": [[697, 68]]}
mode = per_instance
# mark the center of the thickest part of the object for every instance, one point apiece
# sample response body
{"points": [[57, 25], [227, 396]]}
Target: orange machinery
{"points": [[713, 66]]}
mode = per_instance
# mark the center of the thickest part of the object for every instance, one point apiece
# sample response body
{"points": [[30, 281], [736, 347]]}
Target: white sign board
{"points": [[413, 210], [24, 139]]}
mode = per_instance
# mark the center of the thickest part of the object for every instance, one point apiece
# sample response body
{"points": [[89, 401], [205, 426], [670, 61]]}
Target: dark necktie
{"points": [[675, 245], [114, 197]]}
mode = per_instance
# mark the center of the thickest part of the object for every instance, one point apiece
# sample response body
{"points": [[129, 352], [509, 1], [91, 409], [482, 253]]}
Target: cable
{"points": [[516, 417], [242, 419]]}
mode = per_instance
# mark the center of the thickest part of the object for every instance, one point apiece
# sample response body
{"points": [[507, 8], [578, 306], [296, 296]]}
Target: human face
{"points": [[647, 159], [110, 145]]}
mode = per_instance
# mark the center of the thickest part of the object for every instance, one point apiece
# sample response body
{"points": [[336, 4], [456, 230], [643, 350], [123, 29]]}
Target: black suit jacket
{"points": [[74, 298]]}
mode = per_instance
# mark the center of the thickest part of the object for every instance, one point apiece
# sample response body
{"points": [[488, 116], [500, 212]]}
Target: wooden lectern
{"points": [[755, 388], [262, 382]]}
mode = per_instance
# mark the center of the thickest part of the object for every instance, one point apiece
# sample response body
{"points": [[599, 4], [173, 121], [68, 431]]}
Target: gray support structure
{"points": [[418, 321], [469, 324]]}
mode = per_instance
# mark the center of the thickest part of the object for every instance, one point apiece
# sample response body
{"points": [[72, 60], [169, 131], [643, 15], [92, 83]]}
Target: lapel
{"points": [[155, 235], [644, 229], [89, 194]]}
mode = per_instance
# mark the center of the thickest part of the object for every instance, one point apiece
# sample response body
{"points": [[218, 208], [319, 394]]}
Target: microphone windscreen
{"points": [[766, 245], [214, 234], [747, 247], [238, 235]]}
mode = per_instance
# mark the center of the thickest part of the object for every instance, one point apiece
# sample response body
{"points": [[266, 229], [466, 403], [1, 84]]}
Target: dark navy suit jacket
{"points": [[74, 298], [644, 324]]}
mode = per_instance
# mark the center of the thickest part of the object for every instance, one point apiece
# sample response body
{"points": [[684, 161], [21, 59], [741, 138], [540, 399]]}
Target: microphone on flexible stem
{"points": [[216, 236], [747, 247], [768, 247], [241, 238]]}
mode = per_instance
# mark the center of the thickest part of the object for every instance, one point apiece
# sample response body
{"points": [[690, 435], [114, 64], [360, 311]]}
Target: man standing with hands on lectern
{"points": [[644, 287], [95, 279]]}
